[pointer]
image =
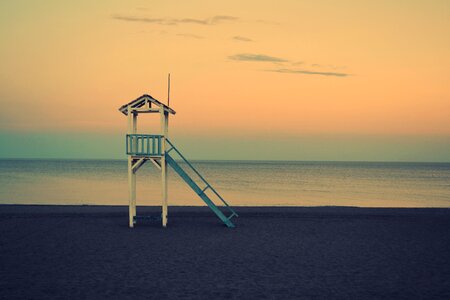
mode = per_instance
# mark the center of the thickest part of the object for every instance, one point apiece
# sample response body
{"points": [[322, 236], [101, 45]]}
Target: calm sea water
{"points": [[104, 182]]}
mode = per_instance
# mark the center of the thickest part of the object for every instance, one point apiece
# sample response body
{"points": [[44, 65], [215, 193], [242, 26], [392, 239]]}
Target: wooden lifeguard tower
{"points": [[142, 147]]}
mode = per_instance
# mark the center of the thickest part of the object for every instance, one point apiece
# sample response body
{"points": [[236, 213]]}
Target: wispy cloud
{"points": [[173, 21], [192, 21], [256, 57], [143, 20], [242, 39], [308, 72], [188, 35], [284, 65], [218, 19], [333, 67]]}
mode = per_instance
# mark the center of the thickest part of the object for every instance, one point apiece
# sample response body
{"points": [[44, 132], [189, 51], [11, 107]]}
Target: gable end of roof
{"points": [[140, 101]]}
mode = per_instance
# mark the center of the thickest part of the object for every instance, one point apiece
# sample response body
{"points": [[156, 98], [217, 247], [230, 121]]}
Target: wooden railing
{"points": [[144, 144]]}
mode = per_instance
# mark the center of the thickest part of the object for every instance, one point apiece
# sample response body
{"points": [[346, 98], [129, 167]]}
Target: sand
{"points": [[88, 252]]}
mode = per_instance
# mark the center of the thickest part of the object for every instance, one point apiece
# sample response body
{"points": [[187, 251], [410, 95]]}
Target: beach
{"points": [[88, 252]]}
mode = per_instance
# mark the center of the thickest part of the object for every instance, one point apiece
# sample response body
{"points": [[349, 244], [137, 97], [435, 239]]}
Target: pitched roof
{"points": [[141, 101]]}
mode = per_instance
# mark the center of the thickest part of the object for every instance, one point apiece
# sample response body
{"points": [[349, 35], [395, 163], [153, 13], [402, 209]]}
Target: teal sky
{"points": [[308, 148]]}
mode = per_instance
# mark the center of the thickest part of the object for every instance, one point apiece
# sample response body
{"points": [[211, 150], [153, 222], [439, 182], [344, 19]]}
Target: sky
{"points": [[264, 80]]}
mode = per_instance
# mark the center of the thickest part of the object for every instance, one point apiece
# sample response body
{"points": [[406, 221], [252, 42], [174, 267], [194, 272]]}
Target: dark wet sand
{"points": [[81, 252]]}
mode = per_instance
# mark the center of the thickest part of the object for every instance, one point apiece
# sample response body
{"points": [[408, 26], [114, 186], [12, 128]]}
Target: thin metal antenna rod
{"points": [[168, 90]]}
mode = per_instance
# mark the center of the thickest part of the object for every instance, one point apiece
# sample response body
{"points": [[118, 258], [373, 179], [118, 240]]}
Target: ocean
{"points": [[241, 183]]}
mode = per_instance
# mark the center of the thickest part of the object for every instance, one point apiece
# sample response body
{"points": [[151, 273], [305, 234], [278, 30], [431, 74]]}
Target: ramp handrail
{"points": [[201, 177]]}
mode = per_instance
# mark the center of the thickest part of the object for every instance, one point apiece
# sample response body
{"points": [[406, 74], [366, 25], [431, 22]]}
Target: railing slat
{"points": [[153, 145], [159, 145]]}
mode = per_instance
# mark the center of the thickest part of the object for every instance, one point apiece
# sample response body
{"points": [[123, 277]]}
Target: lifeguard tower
{"points": [[142, 147]]}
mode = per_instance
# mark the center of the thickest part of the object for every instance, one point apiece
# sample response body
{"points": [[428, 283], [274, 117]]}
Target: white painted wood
{"points": [[138, 164], [134, 123], [131, 191], [133, 175], [145, 110], [141, 101], [144, 105], [156, 162], [130, 172], [164, 132]]}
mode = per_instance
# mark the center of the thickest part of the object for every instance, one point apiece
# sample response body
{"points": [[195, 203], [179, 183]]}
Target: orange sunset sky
{"points": [[295, 80]]}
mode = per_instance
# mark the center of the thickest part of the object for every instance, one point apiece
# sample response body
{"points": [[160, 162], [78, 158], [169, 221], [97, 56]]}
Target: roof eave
{"points": [[124, 108]]}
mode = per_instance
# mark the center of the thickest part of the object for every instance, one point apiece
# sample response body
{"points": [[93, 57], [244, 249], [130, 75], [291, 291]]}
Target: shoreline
{"points": [[246, 210]]}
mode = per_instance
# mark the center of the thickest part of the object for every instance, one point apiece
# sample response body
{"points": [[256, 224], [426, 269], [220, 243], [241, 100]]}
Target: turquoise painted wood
{"points": [[208, 186], [143, 144], [200, 192]]}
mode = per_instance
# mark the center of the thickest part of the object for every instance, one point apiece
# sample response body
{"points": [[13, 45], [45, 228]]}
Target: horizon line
{"points": [[234, 160]]}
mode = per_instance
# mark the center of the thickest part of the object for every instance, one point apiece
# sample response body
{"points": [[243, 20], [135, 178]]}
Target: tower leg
{"points": [[164, 190], [131, 192]]}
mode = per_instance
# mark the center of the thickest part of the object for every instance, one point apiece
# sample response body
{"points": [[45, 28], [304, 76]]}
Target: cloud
{"points": [[242, 39], [143, 20], [169, 21], [307, 72], [285, 62], [188, 35], [192, 21], [218, 19], [256, 57]]}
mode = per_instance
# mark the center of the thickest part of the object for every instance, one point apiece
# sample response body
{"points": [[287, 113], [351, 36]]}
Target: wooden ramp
{"points": [[196, 187]]}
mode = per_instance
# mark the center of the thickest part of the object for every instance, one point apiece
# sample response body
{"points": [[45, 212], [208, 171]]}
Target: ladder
{"points": [[197, 189]]}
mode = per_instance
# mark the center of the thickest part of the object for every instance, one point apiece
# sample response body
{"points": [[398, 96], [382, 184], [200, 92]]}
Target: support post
{"points": [[132, 129], [164, 133], [131, 191]]}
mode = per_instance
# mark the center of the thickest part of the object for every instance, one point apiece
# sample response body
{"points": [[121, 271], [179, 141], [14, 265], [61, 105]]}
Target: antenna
{"points": [[168, 90]]}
